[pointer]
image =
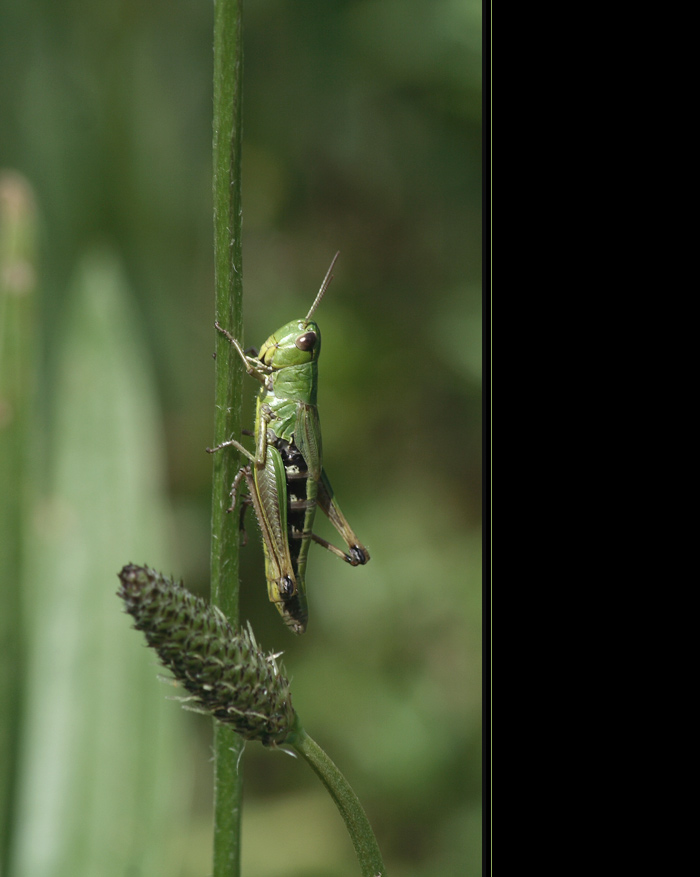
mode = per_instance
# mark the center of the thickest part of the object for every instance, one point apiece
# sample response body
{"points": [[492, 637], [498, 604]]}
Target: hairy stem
{"points": [[228, 63]]}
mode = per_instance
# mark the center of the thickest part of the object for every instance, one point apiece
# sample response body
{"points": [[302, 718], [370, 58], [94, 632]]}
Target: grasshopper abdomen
{"points": [[302, 491]]}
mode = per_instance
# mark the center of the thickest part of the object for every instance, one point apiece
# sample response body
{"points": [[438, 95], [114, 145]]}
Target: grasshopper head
{"points": [[296, 343]]}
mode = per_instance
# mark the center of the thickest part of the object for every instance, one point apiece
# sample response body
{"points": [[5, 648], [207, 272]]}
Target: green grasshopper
{"points": [[285, 477]]}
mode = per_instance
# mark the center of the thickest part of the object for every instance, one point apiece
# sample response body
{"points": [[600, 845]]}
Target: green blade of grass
{"points": [[100, 782], [18, 356]]}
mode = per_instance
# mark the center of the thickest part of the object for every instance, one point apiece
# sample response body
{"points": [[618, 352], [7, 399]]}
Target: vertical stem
{"points": [[228, 63]]}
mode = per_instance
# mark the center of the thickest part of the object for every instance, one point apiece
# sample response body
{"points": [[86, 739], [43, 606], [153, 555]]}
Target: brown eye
{"points": [[307, 341]]}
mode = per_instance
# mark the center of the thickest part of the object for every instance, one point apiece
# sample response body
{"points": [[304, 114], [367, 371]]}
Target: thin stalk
{"points": [[228, 63], [346, 801]]}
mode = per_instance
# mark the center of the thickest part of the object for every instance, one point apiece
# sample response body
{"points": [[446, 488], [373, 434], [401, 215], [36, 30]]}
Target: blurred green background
{"points": [[362, 133]]}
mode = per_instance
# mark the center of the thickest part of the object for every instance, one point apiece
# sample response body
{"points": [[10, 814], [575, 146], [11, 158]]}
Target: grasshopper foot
{"points": [[358, 555]]}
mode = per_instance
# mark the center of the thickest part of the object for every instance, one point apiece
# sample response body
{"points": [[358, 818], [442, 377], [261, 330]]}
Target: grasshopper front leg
{"points": [[252, 365], [260, 371]]}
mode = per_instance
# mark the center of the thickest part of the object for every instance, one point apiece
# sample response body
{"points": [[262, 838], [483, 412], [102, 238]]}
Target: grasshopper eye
{"points": [[307, 341]]}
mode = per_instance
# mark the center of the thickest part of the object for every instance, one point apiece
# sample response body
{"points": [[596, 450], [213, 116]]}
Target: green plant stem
{"points": [[346, 801], [228, 64]]}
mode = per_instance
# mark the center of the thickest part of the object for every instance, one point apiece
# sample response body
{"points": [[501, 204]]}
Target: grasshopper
{"points": [[285, 476]]}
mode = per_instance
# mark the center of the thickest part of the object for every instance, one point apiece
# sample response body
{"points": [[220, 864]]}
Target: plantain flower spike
{"points": [[224, 670]]}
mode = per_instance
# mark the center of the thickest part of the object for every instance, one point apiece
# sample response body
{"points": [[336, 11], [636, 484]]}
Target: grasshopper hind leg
{"points": [[357, 554]]}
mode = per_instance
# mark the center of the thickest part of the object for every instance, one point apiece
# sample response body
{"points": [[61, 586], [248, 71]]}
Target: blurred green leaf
{"points": [[18, 366], [101, 783]]}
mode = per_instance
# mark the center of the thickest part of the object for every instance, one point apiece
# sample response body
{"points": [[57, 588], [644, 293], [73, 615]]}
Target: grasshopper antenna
{"points": [[324, 286]]}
